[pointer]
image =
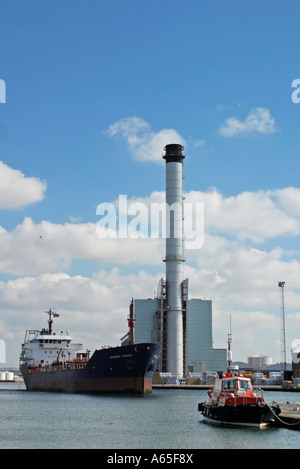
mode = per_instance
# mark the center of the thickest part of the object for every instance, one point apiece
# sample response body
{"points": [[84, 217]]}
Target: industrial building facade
{"points": [[199, 354]]}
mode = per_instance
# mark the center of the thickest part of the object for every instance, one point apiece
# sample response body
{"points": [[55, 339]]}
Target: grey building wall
{"points": [[201, 356], [144, 319]]}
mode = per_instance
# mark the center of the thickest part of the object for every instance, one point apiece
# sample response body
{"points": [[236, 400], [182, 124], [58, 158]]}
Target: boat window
{"points": [[243, 384], [229, 384], [218, 383]]}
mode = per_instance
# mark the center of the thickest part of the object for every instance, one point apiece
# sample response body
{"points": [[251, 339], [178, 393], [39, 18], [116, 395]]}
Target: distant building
{"points": [[199, 354], [242, 366], [259, 361]]}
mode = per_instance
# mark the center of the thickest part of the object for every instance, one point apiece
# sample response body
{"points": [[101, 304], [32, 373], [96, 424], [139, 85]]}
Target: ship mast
{"points": [[51, 315], [229, 352]]}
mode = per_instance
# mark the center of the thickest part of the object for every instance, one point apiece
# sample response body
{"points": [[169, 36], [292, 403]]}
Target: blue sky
{"points": [[95, 87]]}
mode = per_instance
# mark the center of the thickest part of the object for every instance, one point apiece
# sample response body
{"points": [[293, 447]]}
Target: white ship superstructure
{"points": [[43, 347]]}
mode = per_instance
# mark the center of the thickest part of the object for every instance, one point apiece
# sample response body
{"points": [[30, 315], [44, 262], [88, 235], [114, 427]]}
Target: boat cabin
{"points": [[232, 386], [41, 349]]}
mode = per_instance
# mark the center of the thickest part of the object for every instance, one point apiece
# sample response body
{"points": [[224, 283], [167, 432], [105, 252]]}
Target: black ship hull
{"points": [[254, 415], [118, 370]]}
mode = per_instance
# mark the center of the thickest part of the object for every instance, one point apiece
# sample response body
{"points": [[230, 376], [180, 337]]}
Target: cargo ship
{"points": [[54, 362]]}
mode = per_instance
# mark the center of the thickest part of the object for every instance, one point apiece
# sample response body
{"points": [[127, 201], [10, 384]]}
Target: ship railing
{"points": [[58, 367], [246, 399], [258, 392]]}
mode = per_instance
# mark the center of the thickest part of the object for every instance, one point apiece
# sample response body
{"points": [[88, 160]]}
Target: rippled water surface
{"points": [[167, 419]]}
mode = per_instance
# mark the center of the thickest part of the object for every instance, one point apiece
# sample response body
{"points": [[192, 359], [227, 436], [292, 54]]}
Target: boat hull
{"points": [[249, 415], [117, 370]]}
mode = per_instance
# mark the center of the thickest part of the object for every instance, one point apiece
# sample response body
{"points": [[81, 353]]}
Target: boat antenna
{"points": [[51, 315], [229, 352]]}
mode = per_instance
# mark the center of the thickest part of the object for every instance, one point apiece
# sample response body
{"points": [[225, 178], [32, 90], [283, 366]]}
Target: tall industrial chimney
{"points": [[174, 258]]}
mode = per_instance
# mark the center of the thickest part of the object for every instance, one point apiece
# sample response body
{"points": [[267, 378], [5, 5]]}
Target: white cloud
{"points": [[241, 282], [143, 144], [232, 268], [252, 217], [94, 309], [259, 120], [288, 200], [17, 190], [256, 216], [46, 247], [198, 143]]}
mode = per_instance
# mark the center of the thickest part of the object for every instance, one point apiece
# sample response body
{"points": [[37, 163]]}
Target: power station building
{"points": [[198, 352], [182, 327]]}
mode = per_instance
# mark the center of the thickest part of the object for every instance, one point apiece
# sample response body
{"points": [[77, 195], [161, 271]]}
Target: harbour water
{"points": [[166, 419]]}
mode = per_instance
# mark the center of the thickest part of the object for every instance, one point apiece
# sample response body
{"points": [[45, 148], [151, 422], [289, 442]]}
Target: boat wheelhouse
{"points": [[42, 348], [234, 389]]}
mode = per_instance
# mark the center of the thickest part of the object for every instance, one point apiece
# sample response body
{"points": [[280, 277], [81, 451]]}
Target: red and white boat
{"points": [[233, 402]]}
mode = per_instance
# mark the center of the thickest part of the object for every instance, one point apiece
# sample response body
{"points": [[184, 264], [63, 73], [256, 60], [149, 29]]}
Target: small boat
{"points": [[233, 402]]}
